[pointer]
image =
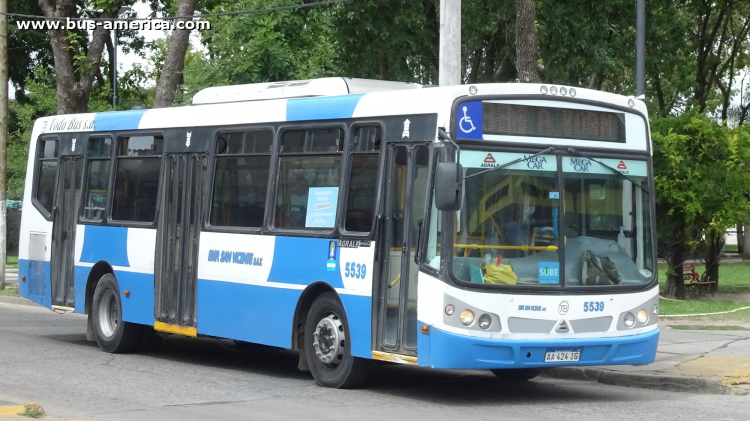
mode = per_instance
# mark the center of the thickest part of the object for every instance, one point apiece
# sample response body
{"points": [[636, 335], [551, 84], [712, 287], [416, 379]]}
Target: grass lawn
{"points": [[11, 290], [11, 262], [742, 316], [730, 247], [707, 327], [668, 307], [733, 279]]}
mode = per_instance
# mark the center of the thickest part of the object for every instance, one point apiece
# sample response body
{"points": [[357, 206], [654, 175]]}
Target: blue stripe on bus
{"points": [[80, 278], [118, 120], [464, 352], [105, 243], [265, 315], [322, 108], [302, 261], [37, 285], [359, 315], [139, 308], [248, 313]]}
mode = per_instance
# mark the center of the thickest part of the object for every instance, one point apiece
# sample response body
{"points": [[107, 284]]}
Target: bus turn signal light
{"points": [[425, 329]]}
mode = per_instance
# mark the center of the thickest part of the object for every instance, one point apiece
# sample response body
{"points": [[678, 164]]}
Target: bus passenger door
{"points": [[177, 237], [406, 189], [65, 217]]}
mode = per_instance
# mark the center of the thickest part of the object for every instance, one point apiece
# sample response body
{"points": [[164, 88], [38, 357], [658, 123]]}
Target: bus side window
{"points": [[308, 178], [241, 178], [47, 150], [365, 152], [137, 164], [99, 160]]}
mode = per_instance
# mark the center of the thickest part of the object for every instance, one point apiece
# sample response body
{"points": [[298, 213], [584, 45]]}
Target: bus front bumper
{"points": [[441, 349]]}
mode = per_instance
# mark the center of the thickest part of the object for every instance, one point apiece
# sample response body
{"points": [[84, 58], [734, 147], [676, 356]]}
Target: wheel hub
{"points": [[329, 340], [109, 314]]}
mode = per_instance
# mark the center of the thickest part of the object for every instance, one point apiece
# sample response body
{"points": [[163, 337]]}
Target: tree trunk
{"points": [[716, 243], [74, 84], [676, 281], [740, 239], [527, 47], [174, 63], [746, 243]]}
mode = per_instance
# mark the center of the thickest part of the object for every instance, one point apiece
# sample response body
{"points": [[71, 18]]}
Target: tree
{"points": [[263, 47], [171, 74], [527, 43], [702, 178], [28, 48], [76, 59]]}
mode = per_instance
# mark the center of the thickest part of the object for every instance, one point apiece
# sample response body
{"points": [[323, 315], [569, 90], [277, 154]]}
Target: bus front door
{"points": [[65, 217], [177, 238], [406, 188]]}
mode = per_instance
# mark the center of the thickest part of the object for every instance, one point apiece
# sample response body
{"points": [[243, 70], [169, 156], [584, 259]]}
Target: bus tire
{"points": [[327, 346], [515, 374], [112, 334]]}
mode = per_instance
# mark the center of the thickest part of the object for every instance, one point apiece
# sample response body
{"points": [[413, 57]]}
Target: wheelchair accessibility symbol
{"points": [[465, 123]]}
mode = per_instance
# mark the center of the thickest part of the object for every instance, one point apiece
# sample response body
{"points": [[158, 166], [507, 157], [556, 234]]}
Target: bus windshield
{"points": [[508, 229]]}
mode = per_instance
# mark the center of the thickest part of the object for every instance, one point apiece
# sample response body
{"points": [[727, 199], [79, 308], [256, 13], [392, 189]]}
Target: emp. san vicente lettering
{"points": [[237, 257]]}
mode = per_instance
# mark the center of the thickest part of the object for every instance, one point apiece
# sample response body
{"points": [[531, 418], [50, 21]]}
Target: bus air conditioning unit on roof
{"points": [[329, 86]]}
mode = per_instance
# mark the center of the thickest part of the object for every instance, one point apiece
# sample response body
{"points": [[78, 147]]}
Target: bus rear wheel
{"points": [[516, 374], [112, 333], [328, 348]]}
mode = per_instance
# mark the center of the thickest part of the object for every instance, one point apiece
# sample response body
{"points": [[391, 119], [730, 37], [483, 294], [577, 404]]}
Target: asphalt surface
{"points": [[44, 357]]}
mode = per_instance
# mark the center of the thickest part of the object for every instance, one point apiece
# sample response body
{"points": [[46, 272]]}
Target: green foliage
{"points": [[701, 174], [283, 45]]}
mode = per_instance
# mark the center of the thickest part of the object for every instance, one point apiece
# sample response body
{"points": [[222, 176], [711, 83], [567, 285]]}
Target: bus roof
{"points": [[329, 86], [407, 100]]}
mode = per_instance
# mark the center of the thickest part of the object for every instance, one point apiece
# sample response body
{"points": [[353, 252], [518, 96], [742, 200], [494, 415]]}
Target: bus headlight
{"points": [[643, 317], [484, 321], [553, 90], [450, 309], [467, 317], [655, 309], [572, 92], [629, 320], [543, 90], [563, 91]]}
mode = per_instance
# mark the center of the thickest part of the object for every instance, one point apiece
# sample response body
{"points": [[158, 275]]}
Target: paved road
{"points": [[45, 358]]}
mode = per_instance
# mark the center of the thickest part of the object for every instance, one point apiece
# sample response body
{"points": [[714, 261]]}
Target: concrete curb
{"points": [[17, 300], [656, 380]]}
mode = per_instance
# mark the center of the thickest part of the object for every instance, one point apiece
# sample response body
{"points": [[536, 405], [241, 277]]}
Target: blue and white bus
{"points": [[507, 227]]}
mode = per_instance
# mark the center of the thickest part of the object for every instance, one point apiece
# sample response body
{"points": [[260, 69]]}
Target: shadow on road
{"points": [[457, 387]]}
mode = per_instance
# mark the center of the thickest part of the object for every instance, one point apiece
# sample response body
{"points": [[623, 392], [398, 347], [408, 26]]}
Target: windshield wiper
{"points": [[508, 164], [614, 170]]}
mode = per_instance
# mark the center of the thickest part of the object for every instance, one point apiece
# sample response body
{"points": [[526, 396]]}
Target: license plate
{"points": [[562, 356]]}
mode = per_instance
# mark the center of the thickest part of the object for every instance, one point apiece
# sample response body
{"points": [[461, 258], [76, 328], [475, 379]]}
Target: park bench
{"points": [[693, 283]]}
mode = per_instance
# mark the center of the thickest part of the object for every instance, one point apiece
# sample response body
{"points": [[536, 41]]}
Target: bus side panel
{"points": [[130, 253], [359, 314], [249, 286], [250, 313], [37, 285]]}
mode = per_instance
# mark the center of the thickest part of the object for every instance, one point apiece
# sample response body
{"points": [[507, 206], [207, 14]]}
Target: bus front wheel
{"points": [[515, 374], [328, 346], [111, 332]]}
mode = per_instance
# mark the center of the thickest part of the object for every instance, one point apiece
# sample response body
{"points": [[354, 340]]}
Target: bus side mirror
{"points": [[448, 186]]}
